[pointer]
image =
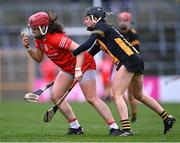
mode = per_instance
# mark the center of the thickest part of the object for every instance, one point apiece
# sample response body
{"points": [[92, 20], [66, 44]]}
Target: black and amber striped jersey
{"points": [[105, 37], [132, 37]]}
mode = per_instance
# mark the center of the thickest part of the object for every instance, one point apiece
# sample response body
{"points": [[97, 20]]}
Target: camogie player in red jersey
{"points": [[50, 40]]}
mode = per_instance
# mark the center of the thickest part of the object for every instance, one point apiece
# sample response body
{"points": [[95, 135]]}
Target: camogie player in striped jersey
{"points": [[124, 20], [50, 40], [129, 70]]}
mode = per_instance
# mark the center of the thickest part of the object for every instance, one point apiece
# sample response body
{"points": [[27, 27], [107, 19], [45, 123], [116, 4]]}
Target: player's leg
{"points": [[61, 85], [107, 93], [88, 86], [137, 89], [127, 101], [121, 82], [133, 104]]}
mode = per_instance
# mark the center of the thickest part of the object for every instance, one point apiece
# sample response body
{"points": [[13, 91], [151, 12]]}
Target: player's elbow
{"points": [[38, 60]]}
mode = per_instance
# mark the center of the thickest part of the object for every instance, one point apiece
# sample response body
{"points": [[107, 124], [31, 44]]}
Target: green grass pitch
{"points": [[21, 121]]}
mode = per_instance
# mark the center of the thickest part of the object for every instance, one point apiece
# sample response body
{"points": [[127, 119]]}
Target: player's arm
{"points": [[36, 54], [87, 45], [94, 50], [79, 58]]}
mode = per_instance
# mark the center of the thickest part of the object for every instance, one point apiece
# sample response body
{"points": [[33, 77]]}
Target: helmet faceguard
{"points": [[40, 20]]}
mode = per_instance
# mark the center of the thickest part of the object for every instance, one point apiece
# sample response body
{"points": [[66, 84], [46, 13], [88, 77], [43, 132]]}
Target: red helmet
{"points": [[38, 19], [125, 16]]}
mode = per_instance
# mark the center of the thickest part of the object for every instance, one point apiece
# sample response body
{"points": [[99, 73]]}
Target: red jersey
{"points": [[56, 47]]}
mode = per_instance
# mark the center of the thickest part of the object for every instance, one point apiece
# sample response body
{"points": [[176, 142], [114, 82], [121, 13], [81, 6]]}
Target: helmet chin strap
{"points": [[95, 21], [45, 31]]}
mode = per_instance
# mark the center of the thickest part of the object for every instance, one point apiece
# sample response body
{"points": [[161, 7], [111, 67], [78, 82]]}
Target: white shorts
{"points": [[88, 75]]}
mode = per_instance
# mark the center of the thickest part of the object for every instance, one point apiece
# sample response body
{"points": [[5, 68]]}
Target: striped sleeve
{"points": [[65, 42]]}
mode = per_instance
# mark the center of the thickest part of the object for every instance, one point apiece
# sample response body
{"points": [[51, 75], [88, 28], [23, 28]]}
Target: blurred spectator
{"points": [[105, 69], [48, 71]]}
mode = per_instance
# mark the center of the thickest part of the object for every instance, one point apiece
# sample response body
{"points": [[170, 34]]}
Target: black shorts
{"points": [[134, 64]]}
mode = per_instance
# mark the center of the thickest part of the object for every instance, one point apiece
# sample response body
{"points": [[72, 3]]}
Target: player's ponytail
{"points": [[54, 25]]}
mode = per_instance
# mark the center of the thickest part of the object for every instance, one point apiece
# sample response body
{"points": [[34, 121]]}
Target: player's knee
{"points": [[91, 100], [138, 96], [115, 95], [130, 97], [54, 98], [113, 92], [136, 93], [114, 98]]}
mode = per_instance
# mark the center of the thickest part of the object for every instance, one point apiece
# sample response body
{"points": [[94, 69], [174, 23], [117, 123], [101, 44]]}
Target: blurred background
{"points": [[157, 22]]}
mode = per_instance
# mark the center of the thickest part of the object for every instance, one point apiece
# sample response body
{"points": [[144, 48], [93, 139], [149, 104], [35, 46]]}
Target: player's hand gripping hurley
{"points": [[50, 112]]}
